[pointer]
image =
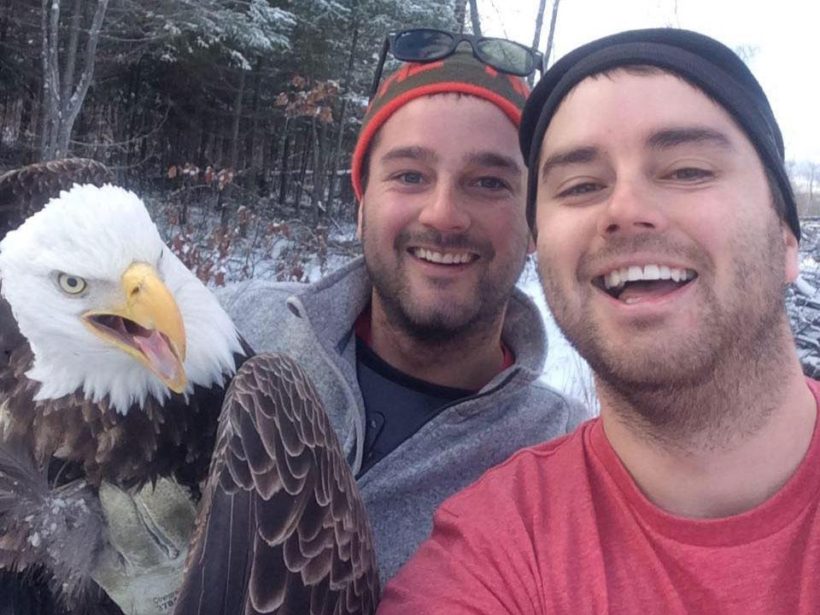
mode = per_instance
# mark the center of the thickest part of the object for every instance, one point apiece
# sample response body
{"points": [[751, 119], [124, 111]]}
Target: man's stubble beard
{"points": [[707, 387], [442, 323]]}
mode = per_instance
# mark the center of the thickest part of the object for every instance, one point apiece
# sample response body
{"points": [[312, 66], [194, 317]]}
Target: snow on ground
{"points": [[564, 369]]}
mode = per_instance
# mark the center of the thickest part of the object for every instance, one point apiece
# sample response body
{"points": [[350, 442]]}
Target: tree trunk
{"points": [[204, 127], [337, 150], [233, 162], [6, 21], [28, 114], [62, 108], [50, 21], [133, 115], [307, 142], [319, 133], [283, 165], [72, 106], [536, 39], [551, 35], [474, 18], [250, 142], [71, 50], [460, 14]]}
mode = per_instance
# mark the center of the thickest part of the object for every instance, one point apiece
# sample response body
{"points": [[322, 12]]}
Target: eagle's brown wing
{"points": [[282, 528], [24, 191], [10, 336]]}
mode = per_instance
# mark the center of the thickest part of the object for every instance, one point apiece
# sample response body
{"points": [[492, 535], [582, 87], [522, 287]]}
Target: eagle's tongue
{"points": [[159, 354]]}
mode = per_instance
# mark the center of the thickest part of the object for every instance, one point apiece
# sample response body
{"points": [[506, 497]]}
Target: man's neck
{"points": [[764, 428], [467, 362]]}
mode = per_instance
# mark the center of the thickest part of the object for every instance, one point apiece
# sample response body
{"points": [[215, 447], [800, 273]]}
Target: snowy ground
{"points": [[564, 369]]}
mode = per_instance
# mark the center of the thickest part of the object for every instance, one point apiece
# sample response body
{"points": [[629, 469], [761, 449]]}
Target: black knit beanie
{"points": [[460, 73], [702, 61]]}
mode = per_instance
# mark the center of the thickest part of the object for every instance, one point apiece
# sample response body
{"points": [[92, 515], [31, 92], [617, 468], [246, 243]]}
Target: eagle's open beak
{"points": [[148, 326]]}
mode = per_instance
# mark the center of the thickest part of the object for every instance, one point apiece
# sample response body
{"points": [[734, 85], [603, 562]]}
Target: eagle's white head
{"points": [[107, 307]]}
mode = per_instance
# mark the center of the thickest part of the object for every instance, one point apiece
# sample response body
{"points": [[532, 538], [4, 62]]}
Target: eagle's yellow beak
{"points": [[148, 325]]}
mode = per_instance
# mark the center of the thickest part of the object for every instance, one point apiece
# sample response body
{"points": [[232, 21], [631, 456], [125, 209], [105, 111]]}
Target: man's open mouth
{"points": [[447, 257], [638, 282]]}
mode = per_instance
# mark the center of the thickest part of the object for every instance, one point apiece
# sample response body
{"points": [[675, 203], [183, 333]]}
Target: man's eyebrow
{"points": [[493, 159], [412, 152], [578, 155], [672, 137]]}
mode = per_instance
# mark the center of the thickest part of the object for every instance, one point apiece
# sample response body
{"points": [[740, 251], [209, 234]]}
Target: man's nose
{"points": [[631, 208], [446, 210]]}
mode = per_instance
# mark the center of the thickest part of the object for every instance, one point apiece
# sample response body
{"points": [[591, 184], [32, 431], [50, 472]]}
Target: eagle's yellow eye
{"points": [[71, 284]]}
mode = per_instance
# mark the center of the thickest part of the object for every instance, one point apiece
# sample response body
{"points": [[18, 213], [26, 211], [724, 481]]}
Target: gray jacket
{"points": [[314, 324]]}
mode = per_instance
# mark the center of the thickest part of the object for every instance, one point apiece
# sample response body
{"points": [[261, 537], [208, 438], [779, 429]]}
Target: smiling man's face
{"points": [[660, 251], [442, 219]]}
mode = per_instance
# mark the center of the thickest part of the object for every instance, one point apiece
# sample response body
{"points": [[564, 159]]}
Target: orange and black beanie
{"points": [[458, 73]]}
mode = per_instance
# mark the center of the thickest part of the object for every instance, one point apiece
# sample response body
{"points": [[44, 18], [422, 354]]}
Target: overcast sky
{"points": [[784, 37]]}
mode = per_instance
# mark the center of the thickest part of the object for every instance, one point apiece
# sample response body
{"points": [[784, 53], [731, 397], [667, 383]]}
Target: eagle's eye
{"points": [[71, 284]]}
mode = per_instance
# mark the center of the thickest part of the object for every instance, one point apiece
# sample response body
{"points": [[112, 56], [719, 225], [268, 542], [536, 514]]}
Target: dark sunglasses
{"points": [[428, 45]]}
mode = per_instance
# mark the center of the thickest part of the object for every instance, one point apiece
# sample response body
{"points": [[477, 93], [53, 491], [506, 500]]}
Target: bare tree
{"points": [[337, 150], [63, 97], [810, 169], [460, 14], [474, 17], [536, 39], [551, 34]]}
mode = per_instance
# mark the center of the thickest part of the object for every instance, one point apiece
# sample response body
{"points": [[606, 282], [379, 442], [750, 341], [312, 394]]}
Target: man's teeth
{"points": [[634, 273], [445, 258]]}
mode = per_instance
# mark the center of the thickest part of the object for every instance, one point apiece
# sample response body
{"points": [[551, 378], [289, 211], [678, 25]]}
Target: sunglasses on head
{"points": [[428, 45]]}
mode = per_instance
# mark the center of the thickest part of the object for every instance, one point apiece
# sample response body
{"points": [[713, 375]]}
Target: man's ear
{"points": [[792, 255]]}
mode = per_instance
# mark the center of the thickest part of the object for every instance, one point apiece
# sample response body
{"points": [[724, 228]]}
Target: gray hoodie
{"points": [[314, 324]]}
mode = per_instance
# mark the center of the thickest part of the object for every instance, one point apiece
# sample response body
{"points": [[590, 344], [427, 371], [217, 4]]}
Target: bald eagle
{"points": [[118, 374], [120, 371]]}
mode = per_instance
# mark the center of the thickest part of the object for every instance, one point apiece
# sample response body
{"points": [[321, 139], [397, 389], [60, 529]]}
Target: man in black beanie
{"points": [[667, 233]]}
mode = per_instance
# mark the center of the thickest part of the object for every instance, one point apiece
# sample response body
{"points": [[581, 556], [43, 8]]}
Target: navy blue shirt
{"points": [[396, 405]]}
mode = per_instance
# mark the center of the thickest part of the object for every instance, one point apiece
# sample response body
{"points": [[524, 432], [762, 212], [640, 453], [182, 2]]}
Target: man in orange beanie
{"points": [[424, 353]]}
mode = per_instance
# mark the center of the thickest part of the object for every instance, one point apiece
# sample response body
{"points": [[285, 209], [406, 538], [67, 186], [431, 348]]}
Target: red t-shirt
{"points": [[562, 528]]}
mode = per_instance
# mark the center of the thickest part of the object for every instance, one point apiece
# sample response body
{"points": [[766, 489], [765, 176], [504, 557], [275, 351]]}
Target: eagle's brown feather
{"points": [[282, 527], [175, 438], [26, 190]]}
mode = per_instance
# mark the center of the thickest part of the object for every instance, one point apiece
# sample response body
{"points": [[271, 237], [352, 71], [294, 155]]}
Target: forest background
{"points": [[235, 119], [249, 108]]}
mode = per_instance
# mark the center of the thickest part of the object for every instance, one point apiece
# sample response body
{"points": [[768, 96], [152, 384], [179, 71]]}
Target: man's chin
{"points": [[433, 323], [438, 325], [651, 365]]}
